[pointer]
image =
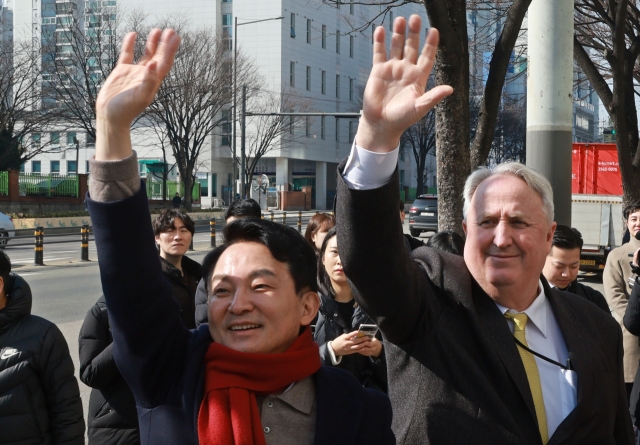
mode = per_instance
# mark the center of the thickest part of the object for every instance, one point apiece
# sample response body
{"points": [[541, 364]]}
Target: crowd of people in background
{"points": [[354, 333]]}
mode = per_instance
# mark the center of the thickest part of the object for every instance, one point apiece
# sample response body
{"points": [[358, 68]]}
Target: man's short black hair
{"points": [[628, 210], [5, 267], [243, 208], [285, 244], [164, 221], [448, 241], [568, 238]]}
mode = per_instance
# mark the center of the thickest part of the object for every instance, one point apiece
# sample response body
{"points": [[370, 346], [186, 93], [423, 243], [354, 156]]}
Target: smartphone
{"points": [[367, 330]]}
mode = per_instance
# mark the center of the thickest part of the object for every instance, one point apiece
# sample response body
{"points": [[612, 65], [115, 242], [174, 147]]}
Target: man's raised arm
{"points": [[388, 284]]}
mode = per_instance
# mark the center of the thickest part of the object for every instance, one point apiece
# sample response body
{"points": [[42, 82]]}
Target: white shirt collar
{"points": [[537, 311]]}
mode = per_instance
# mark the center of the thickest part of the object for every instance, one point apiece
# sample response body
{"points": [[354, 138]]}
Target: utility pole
{"points": [[550, 98], [243, 134]]}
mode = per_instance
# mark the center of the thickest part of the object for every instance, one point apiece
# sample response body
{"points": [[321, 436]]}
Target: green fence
{"points": [[47, 185], [154, 190], [4, 183]]}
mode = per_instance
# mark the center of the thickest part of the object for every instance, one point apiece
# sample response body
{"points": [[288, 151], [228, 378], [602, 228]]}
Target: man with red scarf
{"points": [[251, 376]]}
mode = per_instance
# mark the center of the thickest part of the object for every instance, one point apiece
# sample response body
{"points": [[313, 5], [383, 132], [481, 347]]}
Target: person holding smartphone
{"points": [[347, 337]]}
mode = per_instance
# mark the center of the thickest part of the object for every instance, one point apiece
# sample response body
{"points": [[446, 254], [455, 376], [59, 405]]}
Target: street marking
{"points": [[27, 274], [45, 259]]}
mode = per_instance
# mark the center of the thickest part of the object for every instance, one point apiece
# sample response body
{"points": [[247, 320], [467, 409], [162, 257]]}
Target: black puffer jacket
{"points": [[39, 396], [371, 373], [184, 286], [112, 419]]}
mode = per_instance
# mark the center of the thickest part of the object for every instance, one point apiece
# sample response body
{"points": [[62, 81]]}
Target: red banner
{"points": [[595, 169]]}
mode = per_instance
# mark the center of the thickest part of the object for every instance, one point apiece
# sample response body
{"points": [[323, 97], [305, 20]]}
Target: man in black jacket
{"points": [[563, 264], [174, 231], [39, 396]]}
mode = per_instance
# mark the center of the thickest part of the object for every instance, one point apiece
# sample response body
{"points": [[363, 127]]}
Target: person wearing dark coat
{"points": [[112, 418], [176, 201], [631, 321], [39, 396], [174, 232], [339, 319], [563, 264], [253, 375]]}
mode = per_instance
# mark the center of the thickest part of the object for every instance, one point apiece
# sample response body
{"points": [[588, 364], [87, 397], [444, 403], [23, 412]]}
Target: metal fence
{"points": [[4, 183], [154, 190], [47, 185]]}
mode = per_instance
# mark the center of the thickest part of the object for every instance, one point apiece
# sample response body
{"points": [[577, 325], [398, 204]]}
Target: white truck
{"points": [[599, 219]]}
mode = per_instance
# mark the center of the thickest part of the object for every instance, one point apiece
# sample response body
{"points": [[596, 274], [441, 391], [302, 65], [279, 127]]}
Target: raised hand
{"points": [[395, 97], [129, 89]]}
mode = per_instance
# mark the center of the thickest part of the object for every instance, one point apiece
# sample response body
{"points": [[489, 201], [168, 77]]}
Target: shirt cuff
{"points": [[367, 170], [334, 360]]}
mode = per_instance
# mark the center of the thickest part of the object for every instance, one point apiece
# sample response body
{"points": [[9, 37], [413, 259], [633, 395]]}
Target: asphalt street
{"points": [[65, 288]]}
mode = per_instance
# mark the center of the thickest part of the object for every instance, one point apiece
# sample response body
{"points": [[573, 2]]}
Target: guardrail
{"points": [[37, 239]]}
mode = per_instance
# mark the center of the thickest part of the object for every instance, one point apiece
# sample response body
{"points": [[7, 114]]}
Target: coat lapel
{"points": [[338, 413]]}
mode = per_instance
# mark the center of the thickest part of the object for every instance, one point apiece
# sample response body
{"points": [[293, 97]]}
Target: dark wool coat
{"points": [[39, 396], [112, 419], [455, 374], [589, 294], [184, 287], [162, 361], [371, 373]]}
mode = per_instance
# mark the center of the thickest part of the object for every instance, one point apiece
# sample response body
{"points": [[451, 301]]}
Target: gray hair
{"points": [[534, 180]]}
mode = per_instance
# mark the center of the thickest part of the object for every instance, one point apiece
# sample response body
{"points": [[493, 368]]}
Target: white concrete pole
{"points": [[550, 97]]}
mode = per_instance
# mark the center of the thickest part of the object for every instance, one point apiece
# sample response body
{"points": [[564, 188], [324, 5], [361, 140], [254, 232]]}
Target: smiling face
{"points": [[633, 222], [253, 304], [332, 263], [562, 266], [174, 242], [508, 239]]}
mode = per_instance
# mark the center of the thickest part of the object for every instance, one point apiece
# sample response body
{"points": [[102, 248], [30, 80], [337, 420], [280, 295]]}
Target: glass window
{"points": [[351, 7], [390, 20], [71, 135], [351, 90], [86, 166], [338, 86], [308, 78], [351, 133], [72, 167], [338, 42], [292, 74], [55, 138], [21, 168], [293, 25], [227, 19], [291, 122], [55, 166], [35, 140], [323, 85], [308, 30], [90, 140], [337, 130], [351, 43], [322, 127], [307, 126], [324, 36], [35, 166]]}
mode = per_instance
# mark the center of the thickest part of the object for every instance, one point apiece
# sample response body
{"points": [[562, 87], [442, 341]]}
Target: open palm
{"points": [[395, 98], [130, 88]]}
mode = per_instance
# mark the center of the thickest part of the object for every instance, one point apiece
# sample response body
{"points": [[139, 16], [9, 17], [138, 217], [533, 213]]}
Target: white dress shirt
{"points": [[367, 170]]}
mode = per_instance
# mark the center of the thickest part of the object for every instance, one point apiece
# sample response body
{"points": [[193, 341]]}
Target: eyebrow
{"points": [[252, 275]]}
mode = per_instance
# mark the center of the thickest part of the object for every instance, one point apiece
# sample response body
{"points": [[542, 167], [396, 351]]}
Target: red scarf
{"points": [[229, 412]]}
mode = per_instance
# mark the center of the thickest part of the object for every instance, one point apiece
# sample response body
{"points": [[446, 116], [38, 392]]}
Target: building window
{"points": [[324, 36], [292, 74], [338, 86], [227, 1], [225, 140], [293, 25], [54, 138], [86, 166], [72, 167], [373, 31], [308, 78], [91, 141], [351, 133], [322, 127], [401, 178], [35, 167], [227, 19], [71, 135], [307, 126], [351, 7], [55, 166], [338, 4], [402, 151], [308, 30], [337, 130], [351, 46], [390, 20], [323, 83], [35, 140], [21, 168], [291, 118], [351, 90], [338, 42]]}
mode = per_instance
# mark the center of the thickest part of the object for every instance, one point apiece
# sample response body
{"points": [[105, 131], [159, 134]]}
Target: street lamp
{"points": [[235, 98]]}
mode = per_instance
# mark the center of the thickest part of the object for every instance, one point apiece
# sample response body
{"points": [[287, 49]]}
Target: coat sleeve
{"points": [[61, 389], [623, 429], [97, 366], [202, 311], [614, 290], [632, 313], [388, 284]]}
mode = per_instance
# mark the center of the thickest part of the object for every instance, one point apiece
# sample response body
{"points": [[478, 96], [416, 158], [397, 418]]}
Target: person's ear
{"points": [[552, 230], [2, 292], [464, 227], [310, 304]]}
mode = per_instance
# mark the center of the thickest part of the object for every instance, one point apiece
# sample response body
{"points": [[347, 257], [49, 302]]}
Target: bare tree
{"points": [[21, 104], [268, 133], [455, 158], [607, 47], [421, 136], [192, 97]]}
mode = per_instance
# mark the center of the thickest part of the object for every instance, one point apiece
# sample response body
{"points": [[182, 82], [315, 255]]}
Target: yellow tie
{"points": [[530, 367]]}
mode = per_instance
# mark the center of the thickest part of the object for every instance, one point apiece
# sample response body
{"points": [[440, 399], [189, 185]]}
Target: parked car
{"points": [[7, 230], [423, 215]]}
